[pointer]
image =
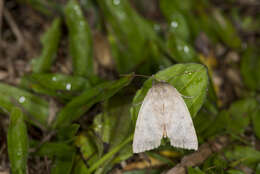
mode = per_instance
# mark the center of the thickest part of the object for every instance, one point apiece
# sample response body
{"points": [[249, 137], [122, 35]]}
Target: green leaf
{"points": [[110, 154], [62, 166], [177, 21], [217, 125], [243, 154], [17, 142], [189, 79], [68, 132], [160, 157], [239, 115], [88, 147], [215, 164], [256, 122], [133, 40], [37, 109], [232, 171], [225, 29], [50, 42], [57, 85], [250, 67], [114, 126], [80, 40], [54, 149], [169, 6], [80, 167], [79, 105], [144, 171], [179, 27], [180, 50], [257, 169], [195, 171]]}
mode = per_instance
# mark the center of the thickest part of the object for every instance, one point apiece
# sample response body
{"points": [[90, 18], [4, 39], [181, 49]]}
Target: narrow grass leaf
{"points": [[37, 109], [80, 39], [79, 105], [17, 142], [62, 86], [50, 41]]}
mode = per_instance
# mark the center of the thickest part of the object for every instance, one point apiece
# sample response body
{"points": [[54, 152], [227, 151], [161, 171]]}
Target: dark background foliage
{"points": [[69, 99]]}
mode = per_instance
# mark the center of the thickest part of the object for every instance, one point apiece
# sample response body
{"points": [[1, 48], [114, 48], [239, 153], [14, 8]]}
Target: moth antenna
{"points": [[188, 97], [137, 75]]}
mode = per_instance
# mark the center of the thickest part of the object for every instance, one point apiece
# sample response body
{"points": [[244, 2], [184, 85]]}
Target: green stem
{"points": [[110, 154]]}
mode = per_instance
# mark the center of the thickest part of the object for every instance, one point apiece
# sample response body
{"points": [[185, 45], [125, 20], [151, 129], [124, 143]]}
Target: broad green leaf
{"points": [[189, 79], [250, 67], [79, 105], [54, 149], [243, 154], [195, 171], [37, 109], [181, 50], [17, 142], [239, 115], [50, 42], [80, 40], [58, 85], [256, 122], [62, 166]]}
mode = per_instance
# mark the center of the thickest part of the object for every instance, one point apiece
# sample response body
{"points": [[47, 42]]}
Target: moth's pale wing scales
{"points": [[179, 125], [163, 107], [148, 130]]}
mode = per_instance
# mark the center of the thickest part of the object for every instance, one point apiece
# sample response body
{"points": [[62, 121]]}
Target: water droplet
{"points": [[54, 78], [77, 10], [121, 15], [179, 47], [156, 27], [186, 49], [68, 86], [81, 23], [116, 2], [21, 99], [174, 24]]}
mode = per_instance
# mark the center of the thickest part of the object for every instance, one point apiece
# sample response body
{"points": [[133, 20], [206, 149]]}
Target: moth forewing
{"points": [[164, 113]]}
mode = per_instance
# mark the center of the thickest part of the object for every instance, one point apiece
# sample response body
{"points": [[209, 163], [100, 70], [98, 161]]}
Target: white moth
{"points": [[164, 114]]}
